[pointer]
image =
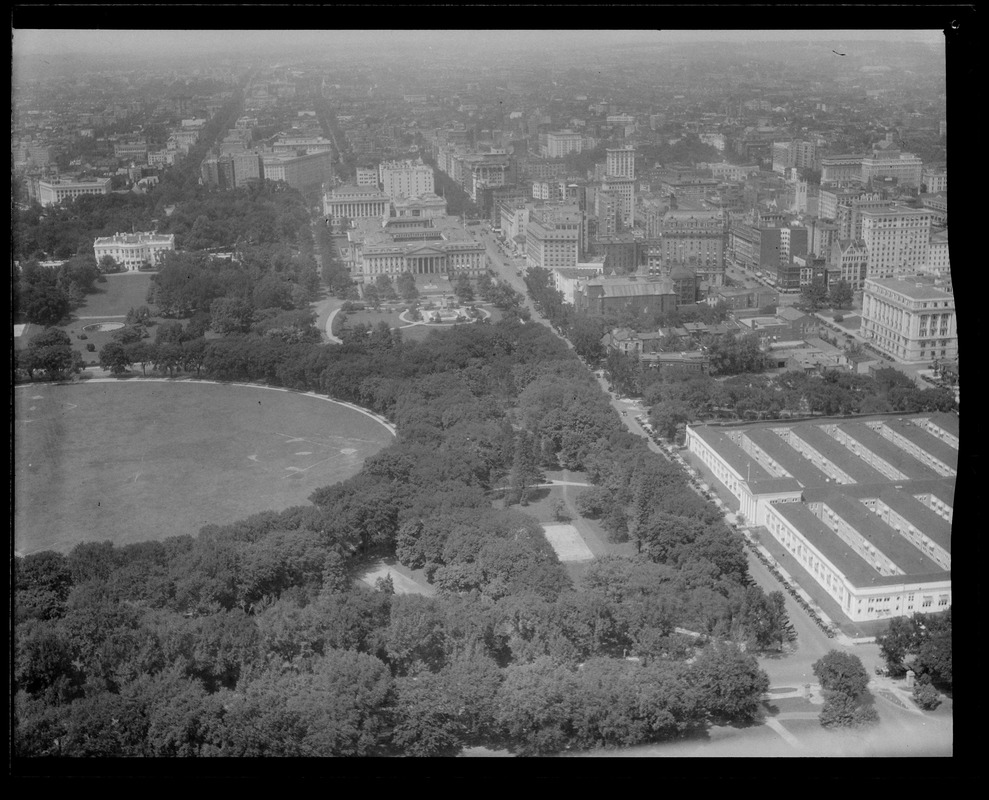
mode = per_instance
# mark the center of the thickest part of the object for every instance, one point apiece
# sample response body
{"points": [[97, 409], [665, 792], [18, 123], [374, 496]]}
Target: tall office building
{"points": [[623, 189], [621, 162], [898, 240]]}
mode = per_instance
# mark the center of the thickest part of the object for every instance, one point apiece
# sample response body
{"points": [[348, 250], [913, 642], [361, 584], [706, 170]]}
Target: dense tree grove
{"points": [[847, 700], [678, 396], [921, 643], [252, 638]]}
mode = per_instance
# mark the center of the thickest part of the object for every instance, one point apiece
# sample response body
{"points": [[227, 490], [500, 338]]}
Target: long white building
{"points": [[52, 193], [134, 250], [422, 246], [863, 507]]}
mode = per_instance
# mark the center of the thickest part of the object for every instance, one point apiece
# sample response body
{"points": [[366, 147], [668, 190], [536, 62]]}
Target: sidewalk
{"points": [[768, 558]]}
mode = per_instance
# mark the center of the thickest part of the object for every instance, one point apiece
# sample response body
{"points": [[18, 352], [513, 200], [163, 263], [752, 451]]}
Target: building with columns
{"points": [[841, 170], [356, 202], [422, 246], [910, 319], [134, 250], [864, 505], [52, 193], [425, 205]]}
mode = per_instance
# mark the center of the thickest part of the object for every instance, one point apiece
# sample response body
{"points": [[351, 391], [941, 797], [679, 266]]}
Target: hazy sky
{"points": [[154, 42]]}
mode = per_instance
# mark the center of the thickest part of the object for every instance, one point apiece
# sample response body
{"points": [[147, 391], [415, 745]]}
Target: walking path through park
{"points": [[548, 485], [329, 327]]}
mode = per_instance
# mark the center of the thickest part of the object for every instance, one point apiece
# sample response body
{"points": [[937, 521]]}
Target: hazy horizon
{"points": [[61, 42]]}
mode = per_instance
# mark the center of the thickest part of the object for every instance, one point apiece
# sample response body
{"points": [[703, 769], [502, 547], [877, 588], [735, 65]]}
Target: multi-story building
{"points": [[602, 295], [307, 173], [935, 180], [51, 193], [848, 261], [688, 191], [623, 190], [821, 236], [619, 251], [897, 239], [938, 261], [849, 217], [434, 246], [552, 237], [910, 319], [513, 220], [406, 178], [863, 506], [841, 170], [345, 203], [425, 206], [158, 158], [367, 176], [134, 250], [562, 143], [731, 172], [905, 168], [566, 280], [293, 145], [606, 212], [136, 152], [697, 240], [248, 168], [795, 153], [769, 248], [621, 162], [938, 205], [479, 171]]}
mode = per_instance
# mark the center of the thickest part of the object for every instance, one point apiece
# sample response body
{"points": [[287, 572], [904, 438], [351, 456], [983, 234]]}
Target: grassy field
{"points": [[134, 460], [120, 293]]}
